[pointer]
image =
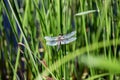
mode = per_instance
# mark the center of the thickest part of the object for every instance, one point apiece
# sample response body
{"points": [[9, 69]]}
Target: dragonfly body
{"points": [[61, 39]]}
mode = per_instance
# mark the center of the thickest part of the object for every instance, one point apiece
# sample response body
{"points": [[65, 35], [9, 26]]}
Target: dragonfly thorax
{"points": [[60, 37]]}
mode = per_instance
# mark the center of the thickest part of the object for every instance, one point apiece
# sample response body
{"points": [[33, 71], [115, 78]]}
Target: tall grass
{"points": [[94, 55]]}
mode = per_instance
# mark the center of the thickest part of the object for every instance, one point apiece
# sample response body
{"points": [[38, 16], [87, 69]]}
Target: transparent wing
{"points": [[66, 41], [52, 43], [69, 34], [51, 38]]}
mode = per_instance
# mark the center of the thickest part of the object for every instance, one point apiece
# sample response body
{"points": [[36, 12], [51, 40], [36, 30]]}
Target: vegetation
{"points": [[95, 55]]}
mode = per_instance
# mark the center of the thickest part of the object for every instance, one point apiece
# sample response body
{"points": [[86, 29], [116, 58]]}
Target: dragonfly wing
{"points": [[52, 43], [69, 34], [66, 41], [51, 38]]}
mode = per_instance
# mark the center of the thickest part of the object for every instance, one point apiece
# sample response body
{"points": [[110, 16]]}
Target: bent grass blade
{"points": [[86, 12]]}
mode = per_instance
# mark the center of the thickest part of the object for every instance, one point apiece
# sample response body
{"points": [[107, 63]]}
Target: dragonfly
{"points": [[61, 39]]}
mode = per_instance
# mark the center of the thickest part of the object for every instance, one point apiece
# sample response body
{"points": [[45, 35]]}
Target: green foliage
{"points": [[32, 20]]}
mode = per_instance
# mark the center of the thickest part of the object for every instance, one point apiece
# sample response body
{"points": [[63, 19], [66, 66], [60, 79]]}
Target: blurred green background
{"points": [[24, 54]]}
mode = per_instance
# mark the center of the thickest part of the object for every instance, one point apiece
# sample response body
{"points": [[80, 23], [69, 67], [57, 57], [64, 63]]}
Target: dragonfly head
{"points": [[61, 34], [60, 37]]}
